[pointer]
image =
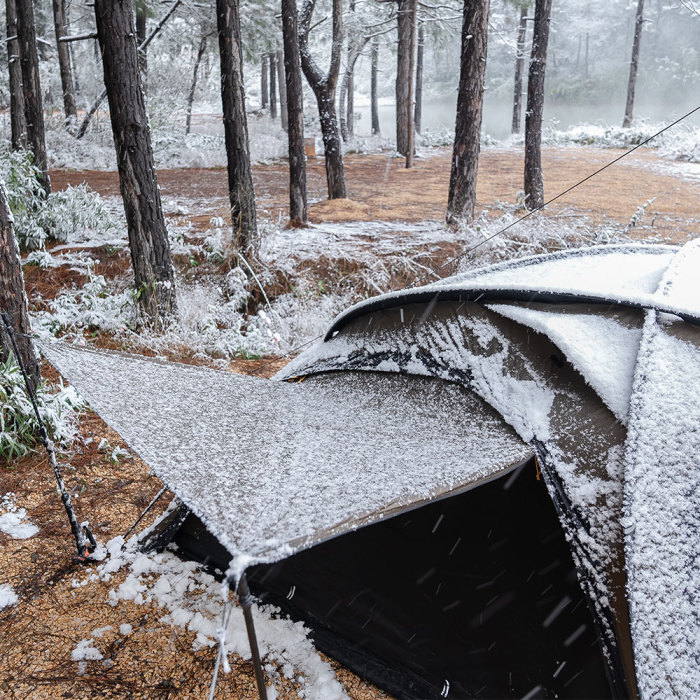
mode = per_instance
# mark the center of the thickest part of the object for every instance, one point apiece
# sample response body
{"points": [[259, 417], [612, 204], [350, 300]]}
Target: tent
{"points": [[387, 492]]}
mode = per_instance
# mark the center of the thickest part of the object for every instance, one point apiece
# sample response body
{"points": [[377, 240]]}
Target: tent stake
{"points": [[84, 540], [246, 600]]}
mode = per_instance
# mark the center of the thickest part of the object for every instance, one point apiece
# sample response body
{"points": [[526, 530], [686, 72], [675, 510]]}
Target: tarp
{"points": [[274, 467]]}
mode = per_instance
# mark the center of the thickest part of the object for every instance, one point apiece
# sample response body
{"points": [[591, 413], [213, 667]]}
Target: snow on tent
{"points": [[532, 429]]}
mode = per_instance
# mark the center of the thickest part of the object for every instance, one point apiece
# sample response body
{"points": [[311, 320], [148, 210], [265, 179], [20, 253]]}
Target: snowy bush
{"points": [[39, 218], [19, 429]]}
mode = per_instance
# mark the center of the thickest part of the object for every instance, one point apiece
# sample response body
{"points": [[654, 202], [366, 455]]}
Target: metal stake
{"points": [[245, 600]]}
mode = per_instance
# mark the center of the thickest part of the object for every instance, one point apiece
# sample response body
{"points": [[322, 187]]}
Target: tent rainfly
{"points": [[392, 500]]}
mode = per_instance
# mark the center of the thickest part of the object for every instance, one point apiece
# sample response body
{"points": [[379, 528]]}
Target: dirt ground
{"points": [[380, 188], [157, 660]]}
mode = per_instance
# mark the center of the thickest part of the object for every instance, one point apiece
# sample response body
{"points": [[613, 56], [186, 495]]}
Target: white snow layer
{"points": [[7, 596], [271, 467], [662, 496], [13, 521], [603, 349], [194, 600]]}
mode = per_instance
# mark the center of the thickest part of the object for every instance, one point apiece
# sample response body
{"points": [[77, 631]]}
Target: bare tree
{"points": [[534, 186], [141, 20], [240, 176], [279, 61], [406, 19], [13, 300], [519, 66], [324, 89], [632, 82], [31, 87], [193, 86], [470, 100], [148, 236], [346, 104], [64, 63], [295, 114], [418, 111], [18, 121], [264, 88], [374, 99], [272, 61]]}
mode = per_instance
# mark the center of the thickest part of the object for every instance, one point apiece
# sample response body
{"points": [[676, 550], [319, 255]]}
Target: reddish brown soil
{"points": [[380, 188]]}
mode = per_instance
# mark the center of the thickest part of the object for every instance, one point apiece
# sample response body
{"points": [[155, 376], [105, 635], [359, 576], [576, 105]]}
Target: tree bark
{"points": [[240, 176], [470, 100], [295, 114], [148, 236], [534, 186], [193, 87], [418, 111], [273, 85], [324, 90], [64, 62], [264, 89], [406, 18], [18, 119], [374, 98], [632, 82], [519, 65], [31, 87], [279, 61], [141, 18], [13, 300]]}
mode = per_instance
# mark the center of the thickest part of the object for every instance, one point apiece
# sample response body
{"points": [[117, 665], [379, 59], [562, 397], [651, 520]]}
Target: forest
{"points": [[212, 183]]}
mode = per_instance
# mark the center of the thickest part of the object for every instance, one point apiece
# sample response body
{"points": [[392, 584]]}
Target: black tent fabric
{"points": [[472, 596]]}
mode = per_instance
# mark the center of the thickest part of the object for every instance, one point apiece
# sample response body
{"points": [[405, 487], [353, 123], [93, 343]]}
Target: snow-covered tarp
{"points": [[272, 467]]}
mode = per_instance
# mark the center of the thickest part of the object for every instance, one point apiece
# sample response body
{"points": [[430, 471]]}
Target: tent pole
{"points": [[245, 600]]}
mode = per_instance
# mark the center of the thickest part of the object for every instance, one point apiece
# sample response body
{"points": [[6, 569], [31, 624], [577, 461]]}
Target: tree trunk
{"points": [[264, 89], [324, 90], [148, 236], [631, 84], [141, 17], [519, 65], [64, 63], [31, 87], [406, 17], [295, 114], [350, 109], [273, 85], [418, 111], [240, 176], [534, 186], [374, 99], [142, 47], [18, 119], [279, 61], [13, 300], [470, 100], [193, 87]]}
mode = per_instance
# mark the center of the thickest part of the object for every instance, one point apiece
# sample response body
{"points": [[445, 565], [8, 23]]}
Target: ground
{"points": [[55, 611]]}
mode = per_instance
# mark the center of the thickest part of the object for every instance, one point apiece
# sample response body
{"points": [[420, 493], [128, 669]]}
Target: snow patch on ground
{"points": [[193, 599], [13, 521], [7, 596]]}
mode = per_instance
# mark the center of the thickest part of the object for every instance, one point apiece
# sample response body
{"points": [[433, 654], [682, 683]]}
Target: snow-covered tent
{"points": [[438, 398]]}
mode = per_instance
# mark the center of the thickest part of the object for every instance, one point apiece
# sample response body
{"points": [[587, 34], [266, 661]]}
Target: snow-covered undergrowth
{"points": [[327, 268], [19, 431], [680, 143], [75, 211], [171, 147], [194, 600]]}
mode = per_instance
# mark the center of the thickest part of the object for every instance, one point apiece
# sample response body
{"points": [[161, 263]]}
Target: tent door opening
{"points": [[475, 595]]}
